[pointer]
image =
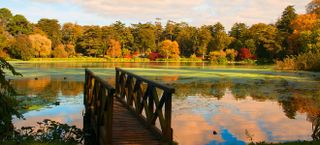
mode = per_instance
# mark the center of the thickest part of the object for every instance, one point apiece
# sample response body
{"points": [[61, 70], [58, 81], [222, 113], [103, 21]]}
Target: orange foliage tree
{"points": [[114, 48], [41, 45], [169, 49], [59, 51], [303, 24]]}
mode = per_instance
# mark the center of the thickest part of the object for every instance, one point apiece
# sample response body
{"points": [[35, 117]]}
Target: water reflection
{"points": [[270, 106], [48, 88], [270, 110]]}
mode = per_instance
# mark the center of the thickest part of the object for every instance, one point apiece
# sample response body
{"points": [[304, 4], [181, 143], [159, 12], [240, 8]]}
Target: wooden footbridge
{"points": [[137, 111]]}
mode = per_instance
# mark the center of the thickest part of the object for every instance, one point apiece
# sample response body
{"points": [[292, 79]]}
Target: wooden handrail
{"points": [[142, 97], [98, 101]]}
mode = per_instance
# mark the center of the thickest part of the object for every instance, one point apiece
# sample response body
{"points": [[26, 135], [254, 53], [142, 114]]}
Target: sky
{"points": [[194, 12]]}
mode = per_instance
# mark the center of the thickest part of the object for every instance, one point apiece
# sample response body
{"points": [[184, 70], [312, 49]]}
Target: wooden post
{"points": [[168, 111]]}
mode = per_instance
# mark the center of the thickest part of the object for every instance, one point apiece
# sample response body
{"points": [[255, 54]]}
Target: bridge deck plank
{"points": [[127, 129]]}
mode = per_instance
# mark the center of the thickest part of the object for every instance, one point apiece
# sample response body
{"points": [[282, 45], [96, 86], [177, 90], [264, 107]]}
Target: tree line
{"points": [[292, 34]]}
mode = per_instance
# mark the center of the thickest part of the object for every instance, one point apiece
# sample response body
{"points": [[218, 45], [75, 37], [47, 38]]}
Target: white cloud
{"points": [[196, 12]]}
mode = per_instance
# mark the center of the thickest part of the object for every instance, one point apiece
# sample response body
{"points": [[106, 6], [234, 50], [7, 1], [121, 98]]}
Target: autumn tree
{"points": [[70, 33], [52, 28], [5, 42], [41, 45], [304, 22], [22, 48], [59, 52], [114, 48], [303, 26], [244, 53], [169, 49], [70, 49], [18, 25]]}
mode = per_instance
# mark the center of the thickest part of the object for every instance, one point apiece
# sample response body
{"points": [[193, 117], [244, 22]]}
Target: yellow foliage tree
{"points": [[41, 45], [114, 48], [169, 49]]}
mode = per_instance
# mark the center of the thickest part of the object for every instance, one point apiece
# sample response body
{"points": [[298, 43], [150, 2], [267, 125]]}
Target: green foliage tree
{"points": [[122, 34], [19, 25], [309, 41], [5, 16], [169, 31], [9, 104], [204, 37], [90, 42], [251, 45], [158, 32], [220, 39], [41, 45], [285, 28], [52, 28], [22, 48], [187, 39], [144, 37], [284, 23], [239, 33], [266, 40]]}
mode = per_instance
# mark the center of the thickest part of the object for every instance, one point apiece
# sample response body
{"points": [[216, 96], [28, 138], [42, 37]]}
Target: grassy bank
{"points": [[94, 59]]}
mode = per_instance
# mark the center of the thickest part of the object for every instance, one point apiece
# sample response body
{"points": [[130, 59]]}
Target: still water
{"points": [[239, 103]]}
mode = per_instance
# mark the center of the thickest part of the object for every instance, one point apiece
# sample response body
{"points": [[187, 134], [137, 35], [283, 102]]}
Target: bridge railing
{"points": [[98, 101], [149, 100]]}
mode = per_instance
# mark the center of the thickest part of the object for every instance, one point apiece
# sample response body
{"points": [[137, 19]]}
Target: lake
{"points": [[240, 103]]}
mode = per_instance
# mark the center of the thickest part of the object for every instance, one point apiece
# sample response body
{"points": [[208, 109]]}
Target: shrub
{"points": [[231, 54], [193, 57], [287, 64], [154, 56], [126, 53], [244, 53], [48, 131], [307, 61], [218, 57]]}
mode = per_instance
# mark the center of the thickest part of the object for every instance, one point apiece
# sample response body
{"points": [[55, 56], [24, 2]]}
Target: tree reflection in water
{"points": [[292, 97], [45, 90]]}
